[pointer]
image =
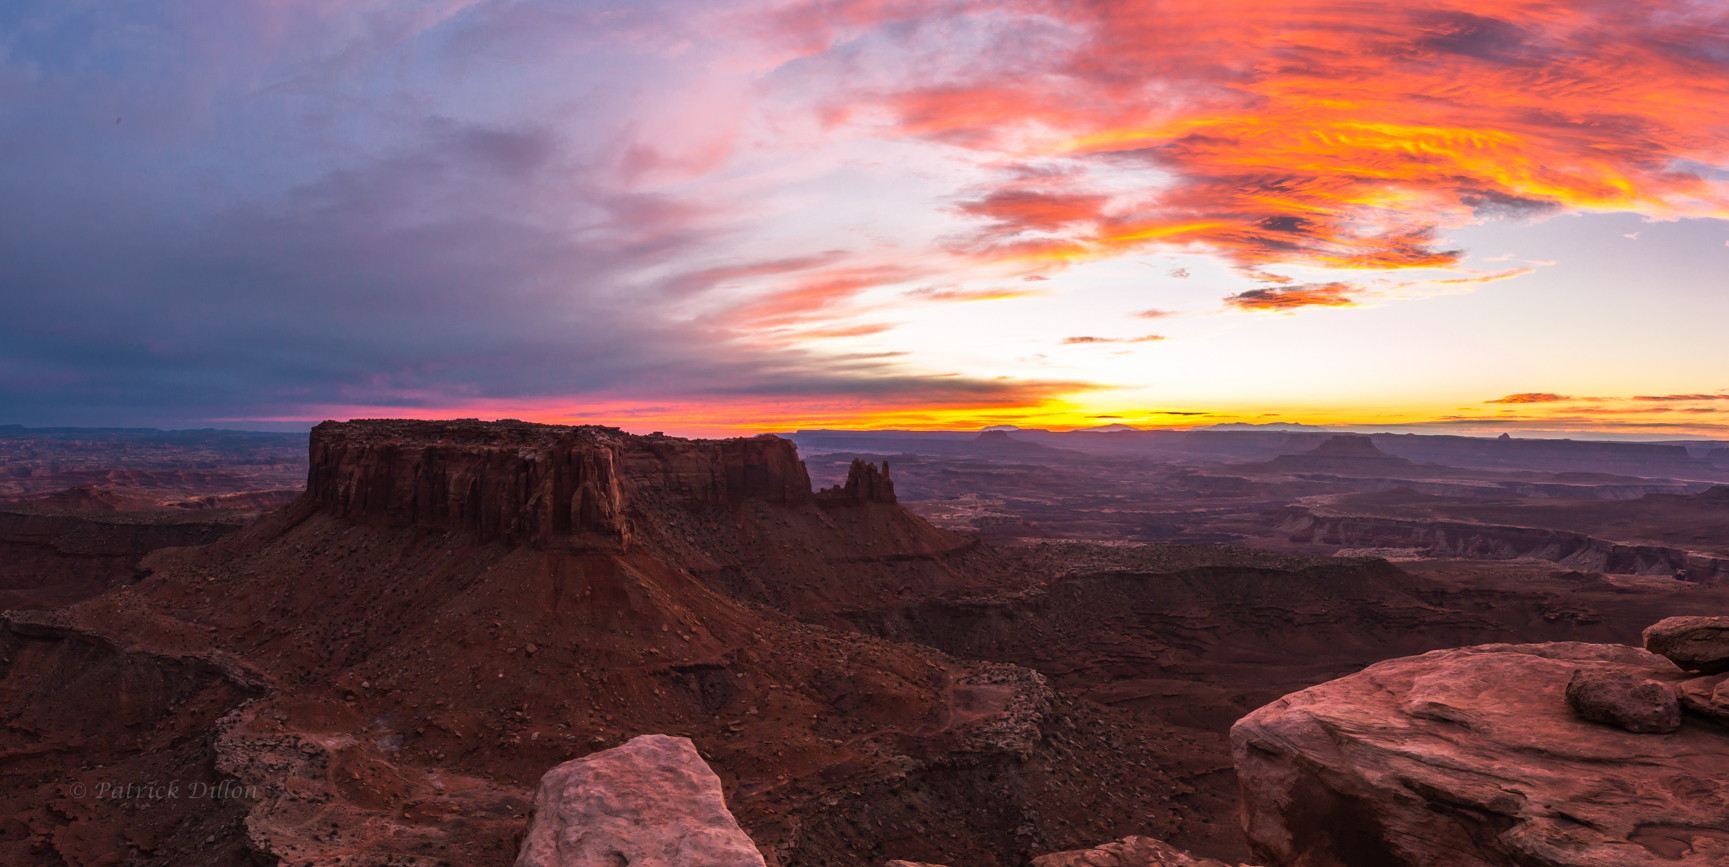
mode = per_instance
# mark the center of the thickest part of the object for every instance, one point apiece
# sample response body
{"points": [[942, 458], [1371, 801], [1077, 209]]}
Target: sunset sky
{"points": [[716, 218]]}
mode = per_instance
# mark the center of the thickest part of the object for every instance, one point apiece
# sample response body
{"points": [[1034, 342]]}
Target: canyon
{"points": [[386, 665]]}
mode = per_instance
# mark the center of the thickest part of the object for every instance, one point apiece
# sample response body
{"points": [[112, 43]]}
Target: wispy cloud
{"points": [[1150, 338], [942, 294], [1531, 397], [1287, 298]]}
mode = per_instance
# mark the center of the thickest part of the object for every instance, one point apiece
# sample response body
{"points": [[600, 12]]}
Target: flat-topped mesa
{"points": [[532, 483], [864, 484], [509, 481], [1345, 453], [1348, 446]]}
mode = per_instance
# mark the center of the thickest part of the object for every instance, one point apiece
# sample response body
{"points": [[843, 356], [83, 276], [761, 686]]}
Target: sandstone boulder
{"points": [[651, 802], [1127, 852], [1472, 757], [1706, 696], [1695, 643], [1623, 699]]}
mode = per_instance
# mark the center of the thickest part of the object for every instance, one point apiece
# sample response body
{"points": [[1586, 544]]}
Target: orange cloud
{"points": [[860, 402], [1482, 278], [1341, 135], [1027, 209], [1531, 397], [1293, 297], [1682, 397]]}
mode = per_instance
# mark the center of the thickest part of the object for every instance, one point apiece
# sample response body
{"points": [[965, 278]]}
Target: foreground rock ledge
{"points": [[1127, 852], [1473, 757], [652, 802]]}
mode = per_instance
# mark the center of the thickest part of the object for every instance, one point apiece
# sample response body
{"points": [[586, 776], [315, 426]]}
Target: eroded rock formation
{"points": [[864, 484]]}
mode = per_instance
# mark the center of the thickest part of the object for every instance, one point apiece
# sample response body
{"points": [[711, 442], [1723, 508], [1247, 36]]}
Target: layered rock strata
{"points": [[531, 483], [1492, 542]]}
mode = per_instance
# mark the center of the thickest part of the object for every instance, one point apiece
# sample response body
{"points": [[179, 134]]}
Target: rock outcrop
{"points": [[1471, 757], [1694, 643], [651, 802], [864, 484], [1128, 852]]}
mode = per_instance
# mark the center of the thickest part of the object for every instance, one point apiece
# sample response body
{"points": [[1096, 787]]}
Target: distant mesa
{"points": [[1349, 446], [1263, 426], [1716, 494], [998, 443], [1341, 453]]}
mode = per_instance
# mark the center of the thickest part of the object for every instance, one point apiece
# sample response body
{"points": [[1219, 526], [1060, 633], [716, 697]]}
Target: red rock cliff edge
{"points": [[531, 483]]}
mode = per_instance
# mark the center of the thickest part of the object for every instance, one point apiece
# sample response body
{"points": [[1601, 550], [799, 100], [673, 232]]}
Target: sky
{"points": [[715, 218]]}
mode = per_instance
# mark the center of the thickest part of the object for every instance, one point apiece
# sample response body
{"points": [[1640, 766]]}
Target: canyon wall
{"points": [[1498, 542]]}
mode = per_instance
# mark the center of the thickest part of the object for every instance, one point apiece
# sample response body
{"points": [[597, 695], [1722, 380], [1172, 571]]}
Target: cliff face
{"points": [[515, 483], [763, 467], [528, 483], [50, 558]]}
